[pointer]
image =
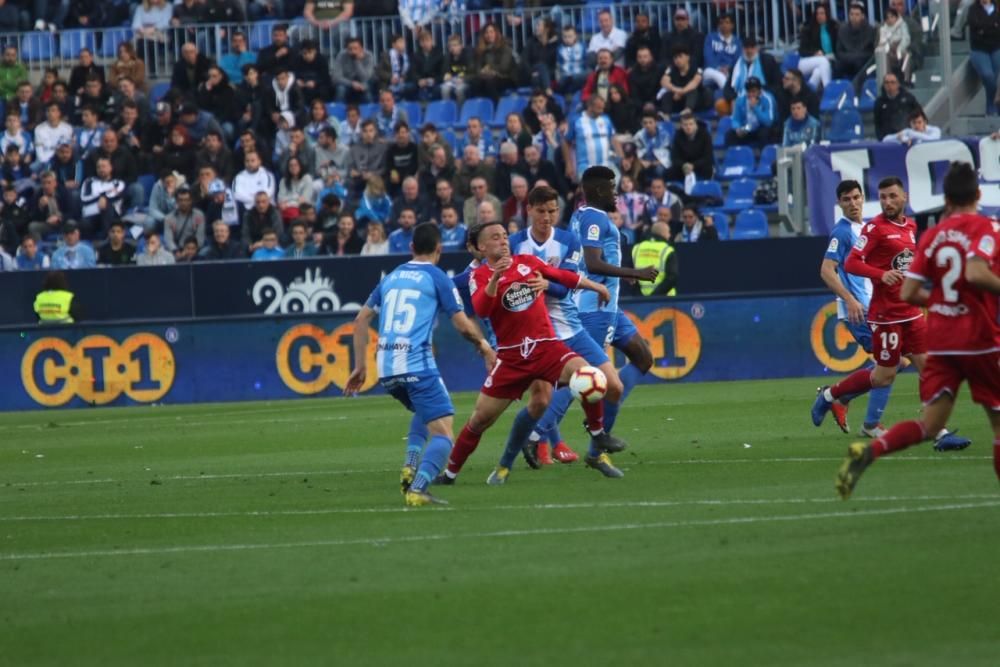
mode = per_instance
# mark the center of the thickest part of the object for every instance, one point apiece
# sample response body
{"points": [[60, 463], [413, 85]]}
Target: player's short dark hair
{"points": [[542, 194], [596, 174], [890, 181], [849, 186], [478, 228], [961, 184], [426, 238]]}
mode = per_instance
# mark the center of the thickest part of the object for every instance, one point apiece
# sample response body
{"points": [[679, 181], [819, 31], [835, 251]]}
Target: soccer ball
{"points": [[588, 384]]}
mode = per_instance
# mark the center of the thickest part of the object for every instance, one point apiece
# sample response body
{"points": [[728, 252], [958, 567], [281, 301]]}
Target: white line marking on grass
{"points": [[635, 504], [544, 532]]}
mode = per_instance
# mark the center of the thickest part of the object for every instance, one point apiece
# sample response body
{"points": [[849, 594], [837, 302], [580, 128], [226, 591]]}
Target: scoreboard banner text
{"points": [[280, 358]]}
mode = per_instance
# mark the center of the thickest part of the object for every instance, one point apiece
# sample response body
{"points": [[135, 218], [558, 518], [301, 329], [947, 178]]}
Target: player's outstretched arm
{"points": [[828, 272], [470, 331], [596, 265], [979, 274], [603, 295], [913, 291], [360, 372]]}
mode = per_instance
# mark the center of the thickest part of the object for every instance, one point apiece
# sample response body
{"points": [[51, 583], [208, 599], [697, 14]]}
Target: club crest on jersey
{"points": [[518, 297], [902, 261], [523, 269]]}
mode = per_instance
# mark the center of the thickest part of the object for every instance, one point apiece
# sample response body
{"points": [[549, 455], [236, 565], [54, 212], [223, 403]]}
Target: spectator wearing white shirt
{"points": [[918, 131], [253, 179], [611, 38], [49, 134]]}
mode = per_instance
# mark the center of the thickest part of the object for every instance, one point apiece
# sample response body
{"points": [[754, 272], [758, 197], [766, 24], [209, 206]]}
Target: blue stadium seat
{"points": [[157, 92], [720, 219], [767, 157], [706, 189], [725, 124], [508, 105], [112, 38], [414, 113], [147, 181], [839, 94], [260, 34], [443, 113], [737, 163], [478, 107], [560, 100], [337, 110], [869, 93], [750, 224], [38, 46], [368, 110], [452, 140], [71, 41], [668, 127], [575, 102], [846, 127], [790, 61], [740, 195]]}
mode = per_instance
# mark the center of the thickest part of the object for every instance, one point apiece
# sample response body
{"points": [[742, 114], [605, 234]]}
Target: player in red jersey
{"points": [[882, 254], [960, 260], [502, 290]]}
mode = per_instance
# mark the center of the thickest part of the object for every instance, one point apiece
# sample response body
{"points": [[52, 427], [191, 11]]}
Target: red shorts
{"points": [[513, 373], [892, 341], [944, 373]]}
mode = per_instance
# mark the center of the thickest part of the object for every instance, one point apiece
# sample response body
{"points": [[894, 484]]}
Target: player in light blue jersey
{"points": [[853, 295], [602, 255], [407, 302], [560, 248]]}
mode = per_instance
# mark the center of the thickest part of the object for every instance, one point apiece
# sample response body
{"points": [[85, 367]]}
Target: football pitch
{"points": [[275, 534]]}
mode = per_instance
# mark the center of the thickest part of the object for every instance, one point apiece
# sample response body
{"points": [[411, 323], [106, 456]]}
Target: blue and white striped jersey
{"points": [[407, 301], [561, 250], [591, 138], [594, 229]]}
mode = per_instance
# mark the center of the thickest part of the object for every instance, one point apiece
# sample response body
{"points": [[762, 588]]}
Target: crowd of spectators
{"points": [[245, 159]]}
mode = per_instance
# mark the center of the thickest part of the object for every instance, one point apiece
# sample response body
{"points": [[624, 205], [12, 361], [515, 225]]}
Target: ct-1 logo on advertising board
{"points": [[674, 340], [833, 344], [98, 369], [309, 359]]}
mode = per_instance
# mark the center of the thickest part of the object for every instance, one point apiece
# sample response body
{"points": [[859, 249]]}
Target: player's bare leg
{"points": [[904, 434], [484, 415], [524, 424]]}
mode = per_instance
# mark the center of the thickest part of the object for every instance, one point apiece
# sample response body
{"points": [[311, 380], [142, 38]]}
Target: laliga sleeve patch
{"points": [[593, 232], [861, 242], [575, 257], [472, 284], [458, 297], [987, 246], [834, 245]]}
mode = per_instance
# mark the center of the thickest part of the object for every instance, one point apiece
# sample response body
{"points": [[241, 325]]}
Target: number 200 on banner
{"points": [[97, 369]]}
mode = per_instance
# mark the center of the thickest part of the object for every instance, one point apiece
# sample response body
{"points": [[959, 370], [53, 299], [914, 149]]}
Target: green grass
{"points": [[274, 533]]}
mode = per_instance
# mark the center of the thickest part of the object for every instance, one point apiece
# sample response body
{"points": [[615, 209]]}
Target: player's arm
{"points": [[484, 298], [593, 258], [828, 272], [573, 280], [914, 290], [360, 372], [471, 332], [978, 274], [857, 265]]}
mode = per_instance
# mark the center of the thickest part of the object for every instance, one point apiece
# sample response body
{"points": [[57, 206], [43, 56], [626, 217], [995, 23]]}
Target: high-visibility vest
{"points": [[652, 252], [53, 306]]}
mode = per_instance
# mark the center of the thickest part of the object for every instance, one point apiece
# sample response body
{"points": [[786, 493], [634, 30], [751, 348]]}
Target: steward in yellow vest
{"points": [[657, 252], [54, 304]]}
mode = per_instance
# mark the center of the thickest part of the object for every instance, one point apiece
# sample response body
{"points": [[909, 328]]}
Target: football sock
{"points": [[877, 400], [559, 404], [595, 416], [996, 456], [900, 436], [555, 436], [630, 376], [464, 446], [415, 441], [856, 383], [519, 432], [432, 462]]}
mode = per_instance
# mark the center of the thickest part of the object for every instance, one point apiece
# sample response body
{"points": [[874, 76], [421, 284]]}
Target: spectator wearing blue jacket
{"points": [[399, 240], [801, 128], [722, 50], [754, 116], [269, 248]]}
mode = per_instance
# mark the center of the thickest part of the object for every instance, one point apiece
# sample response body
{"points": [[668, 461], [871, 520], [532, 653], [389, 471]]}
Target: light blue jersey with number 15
{"points": [[407, 301]]}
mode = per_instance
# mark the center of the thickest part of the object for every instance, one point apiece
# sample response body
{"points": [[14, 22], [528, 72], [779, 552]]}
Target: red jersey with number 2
{"points": [[516, 312], [961, 319], [886, 245]]}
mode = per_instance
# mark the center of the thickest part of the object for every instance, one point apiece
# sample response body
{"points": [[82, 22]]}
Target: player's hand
{"points": [[855, 312], [356, 381], [489, 354], [501, 266], [538, 283], [892, 277], [603, 295], [648, 274]]}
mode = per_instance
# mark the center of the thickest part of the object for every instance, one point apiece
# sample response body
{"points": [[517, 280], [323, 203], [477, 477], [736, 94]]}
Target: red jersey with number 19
{"points": [[961, 319], [516, 312], [885, 245]]}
